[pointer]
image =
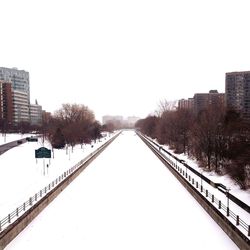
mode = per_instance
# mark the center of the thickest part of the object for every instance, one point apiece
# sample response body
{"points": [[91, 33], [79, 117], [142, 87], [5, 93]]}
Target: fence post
{"points": [[193, 181], [237, 220], [17, 212], [196, 184], [212, 198], [206, 193], [219, 204], [41, 193], [30, 201], [24, 206], [189, 178], [9, 218]]}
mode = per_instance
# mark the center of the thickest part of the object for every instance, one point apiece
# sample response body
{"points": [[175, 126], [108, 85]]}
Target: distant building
{"points": [[20, 106], [109, 118], [20, 94], [46, 116], [238, 92], [203, 101], [6, 102], [131, 120], [186, 104], [19, 79], [35, 114]]}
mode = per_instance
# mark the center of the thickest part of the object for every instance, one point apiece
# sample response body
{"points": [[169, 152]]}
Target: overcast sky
{"points": [[121, 57]]}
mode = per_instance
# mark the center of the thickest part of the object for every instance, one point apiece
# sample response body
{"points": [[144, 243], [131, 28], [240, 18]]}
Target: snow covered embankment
{"points": [[210, 193], [33, 200]]}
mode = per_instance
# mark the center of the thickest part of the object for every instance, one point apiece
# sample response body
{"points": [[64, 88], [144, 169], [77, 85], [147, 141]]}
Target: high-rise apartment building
{"points": [[6, 102], [203, 101], [20, 93], [238, 92], [19, 79], [21, 107], [35, 114], [186, 104]]}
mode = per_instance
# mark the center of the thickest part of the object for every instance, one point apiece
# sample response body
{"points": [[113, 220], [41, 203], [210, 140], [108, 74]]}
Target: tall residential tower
{"points": [[238, 92]]}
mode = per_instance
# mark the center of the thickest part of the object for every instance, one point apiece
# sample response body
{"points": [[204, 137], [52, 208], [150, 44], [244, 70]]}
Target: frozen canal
{"points": [[127, 200]]}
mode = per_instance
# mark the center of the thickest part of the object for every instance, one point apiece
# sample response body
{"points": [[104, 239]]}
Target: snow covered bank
{"points": [[219, 200]]}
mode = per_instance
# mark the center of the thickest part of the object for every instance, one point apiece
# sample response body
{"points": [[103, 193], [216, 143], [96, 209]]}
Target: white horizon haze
{"points": [[124, 57]]}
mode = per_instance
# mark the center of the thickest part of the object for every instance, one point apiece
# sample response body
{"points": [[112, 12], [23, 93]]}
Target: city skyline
{"points": [[124, 58]]}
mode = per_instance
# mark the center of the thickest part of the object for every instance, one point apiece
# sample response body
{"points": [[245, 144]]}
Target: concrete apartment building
{"points": [[21, 106], [6, 104], [15, 98], [186, 104], [203, 101], [19, 79], [35, 114], [237, 92]]}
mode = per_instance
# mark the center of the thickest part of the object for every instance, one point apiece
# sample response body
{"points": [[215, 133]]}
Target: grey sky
{"points": [[122, 57]]}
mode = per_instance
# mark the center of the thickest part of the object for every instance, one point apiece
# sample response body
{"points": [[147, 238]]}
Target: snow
{"points": [[234, 189], [125, 199], [22, 175], [5, 138]]}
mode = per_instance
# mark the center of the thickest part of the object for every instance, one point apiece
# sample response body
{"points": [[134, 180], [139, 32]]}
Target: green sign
{"points": [[43, 153]]}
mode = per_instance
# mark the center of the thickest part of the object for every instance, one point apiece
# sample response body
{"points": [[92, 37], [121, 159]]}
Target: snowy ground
{"points": [[22, 175], [125, 199], [234, 189], [5, 138], [243, 195]]}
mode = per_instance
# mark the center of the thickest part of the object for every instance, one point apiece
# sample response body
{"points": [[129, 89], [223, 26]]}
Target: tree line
{"points": [[73, 124], [70, 125], [218, 139]]}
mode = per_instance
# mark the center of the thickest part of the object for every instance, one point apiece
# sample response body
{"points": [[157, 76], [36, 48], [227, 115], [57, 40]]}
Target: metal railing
{"points": [[11, 217], [206, 194]]}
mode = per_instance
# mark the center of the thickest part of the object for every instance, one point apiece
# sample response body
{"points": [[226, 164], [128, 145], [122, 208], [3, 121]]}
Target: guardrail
{"points": [[11, 217], [199, 187]]}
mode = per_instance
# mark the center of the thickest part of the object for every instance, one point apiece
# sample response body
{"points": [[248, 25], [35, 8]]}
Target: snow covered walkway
{"points": [[125, 199]]}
